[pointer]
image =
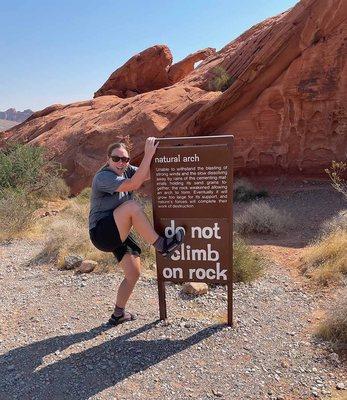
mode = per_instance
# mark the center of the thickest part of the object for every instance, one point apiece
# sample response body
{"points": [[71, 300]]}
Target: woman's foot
{"points": [[166, 246], [119, 316]]}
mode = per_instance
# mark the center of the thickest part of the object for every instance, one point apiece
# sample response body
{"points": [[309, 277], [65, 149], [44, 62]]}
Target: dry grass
{"points": [[16, 213], [261, 218], [53, 189], [339, 222], [248, 265], [67, 233], [326, 260], [334, 327]]}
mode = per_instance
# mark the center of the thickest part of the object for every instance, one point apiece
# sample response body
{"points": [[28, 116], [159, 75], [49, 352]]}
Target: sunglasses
{"points": [[116, 159]]}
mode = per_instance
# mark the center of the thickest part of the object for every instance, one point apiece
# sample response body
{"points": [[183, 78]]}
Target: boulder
{"points": [[86, 267], [195, 288], [72, 261]]}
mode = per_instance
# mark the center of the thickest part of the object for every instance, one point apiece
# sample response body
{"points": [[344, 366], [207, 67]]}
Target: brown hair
{"points": [[117, 145]]}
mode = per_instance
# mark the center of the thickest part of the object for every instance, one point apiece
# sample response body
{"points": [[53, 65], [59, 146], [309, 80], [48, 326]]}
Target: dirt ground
{"points": [[54, 343]]}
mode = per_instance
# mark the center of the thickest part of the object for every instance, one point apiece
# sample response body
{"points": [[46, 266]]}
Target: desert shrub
{"points": [[334, 327], [262, 218], [53, 188], [248, 265], [244, 191], [325, 260], [336, 172], [221, 80], [20, 166], [26, 179], [23, 166], [16, 211], [339, 222]]}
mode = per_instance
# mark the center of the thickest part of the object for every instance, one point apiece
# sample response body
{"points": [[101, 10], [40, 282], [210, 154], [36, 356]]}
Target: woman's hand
{"points": [[150, 147]]}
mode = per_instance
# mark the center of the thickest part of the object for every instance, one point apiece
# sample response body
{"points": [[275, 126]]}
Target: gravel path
{"points": [[54, 344]]}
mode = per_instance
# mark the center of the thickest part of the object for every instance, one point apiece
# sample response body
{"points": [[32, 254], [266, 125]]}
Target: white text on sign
{"points": [[186, 252]]}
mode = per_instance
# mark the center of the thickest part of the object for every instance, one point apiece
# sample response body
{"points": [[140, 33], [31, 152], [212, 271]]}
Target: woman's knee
{"points": [[130, 205]]}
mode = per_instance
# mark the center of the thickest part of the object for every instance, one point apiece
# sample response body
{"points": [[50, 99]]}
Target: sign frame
{"points": [[198, 141]]}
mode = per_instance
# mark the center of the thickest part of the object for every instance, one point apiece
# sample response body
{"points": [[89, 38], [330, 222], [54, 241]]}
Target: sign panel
{"points": [[192, 188]]}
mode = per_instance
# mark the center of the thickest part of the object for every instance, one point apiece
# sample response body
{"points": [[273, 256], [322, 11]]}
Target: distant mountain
{"points": [[4, 124], [18, 116]]}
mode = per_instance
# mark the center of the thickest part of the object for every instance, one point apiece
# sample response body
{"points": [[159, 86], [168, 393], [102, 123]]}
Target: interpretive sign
{"points": [[192, 189]]}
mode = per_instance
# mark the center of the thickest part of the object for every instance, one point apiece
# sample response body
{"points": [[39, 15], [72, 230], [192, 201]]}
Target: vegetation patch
{"points": [[334, 326], [26, 181], [325, 260], [247, 264], [67, 233], [221, 80], [261, 218], [244, 191], [337, 223], [337, 172]]}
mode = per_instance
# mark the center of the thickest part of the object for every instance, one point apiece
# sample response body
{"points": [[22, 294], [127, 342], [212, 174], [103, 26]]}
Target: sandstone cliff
{"points": [[285, 104]]}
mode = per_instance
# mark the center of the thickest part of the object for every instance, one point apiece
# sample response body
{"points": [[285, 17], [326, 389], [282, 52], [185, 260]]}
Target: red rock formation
{"points": [[144, 72], [184, 67], [77, 135], [286, 105], [150, 70]]}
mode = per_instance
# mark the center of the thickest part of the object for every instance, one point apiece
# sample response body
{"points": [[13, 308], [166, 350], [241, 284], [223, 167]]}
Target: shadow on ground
{"points": [[84, 374]]}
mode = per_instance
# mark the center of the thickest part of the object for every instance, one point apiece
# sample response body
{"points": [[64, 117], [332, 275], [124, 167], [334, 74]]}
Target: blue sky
{"points": [[63, 51]]}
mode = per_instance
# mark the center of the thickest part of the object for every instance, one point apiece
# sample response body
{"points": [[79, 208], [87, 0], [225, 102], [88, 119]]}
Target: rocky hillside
{"points": [[285, 101]]}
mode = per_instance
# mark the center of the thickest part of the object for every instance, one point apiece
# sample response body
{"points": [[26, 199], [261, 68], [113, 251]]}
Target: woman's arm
{"points": [[148, 177], [143, 172]]}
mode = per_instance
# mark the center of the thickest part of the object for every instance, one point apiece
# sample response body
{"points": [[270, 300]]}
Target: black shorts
{"points": [[105, 237]]}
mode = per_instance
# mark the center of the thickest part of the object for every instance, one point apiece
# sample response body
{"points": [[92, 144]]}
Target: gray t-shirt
{"points": [[104, 198]]}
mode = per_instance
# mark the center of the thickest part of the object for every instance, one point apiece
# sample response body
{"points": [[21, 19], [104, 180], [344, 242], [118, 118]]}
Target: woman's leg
{"points": [[131, 214], [131, 266]]}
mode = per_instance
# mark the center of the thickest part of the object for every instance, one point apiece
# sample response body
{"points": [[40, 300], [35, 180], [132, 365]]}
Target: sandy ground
{"points": [[54, 343]]}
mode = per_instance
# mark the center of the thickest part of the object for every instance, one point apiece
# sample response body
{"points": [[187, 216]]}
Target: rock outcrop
{"points": [[184, 67], [150, 70], [77, 135], [144, 72], [285, 104]]}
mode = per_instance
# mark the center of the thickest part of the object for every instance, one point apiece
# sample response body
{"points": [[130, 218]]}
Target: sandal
{"points": [[170, 244], [125, 317]]}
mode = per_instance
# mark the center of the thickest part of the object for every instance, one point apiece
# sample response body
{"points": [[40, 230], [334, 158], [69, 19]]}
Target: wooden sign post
{"points": [[192, 188]]}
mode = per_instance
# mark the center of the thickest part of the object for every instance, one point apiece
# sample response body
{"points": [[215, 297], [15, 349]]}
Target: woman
{"points": [[113, 212]]}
